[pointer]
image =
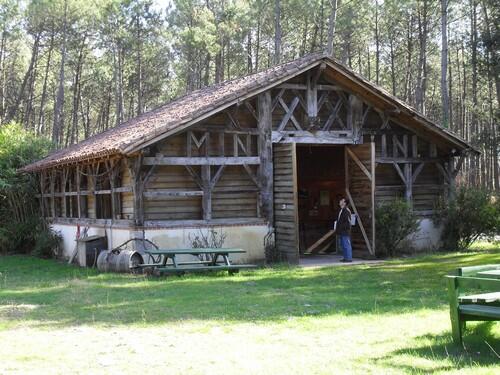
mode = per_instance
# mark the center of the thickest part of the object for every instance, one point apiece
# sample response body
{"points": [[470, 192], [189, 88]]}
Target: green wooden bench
{"points": [[481, 305], [161, 264]]}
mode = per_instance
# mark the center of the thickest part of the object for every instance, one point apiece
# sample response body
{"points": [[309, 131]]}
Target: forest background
{"points": [[73, 68]]}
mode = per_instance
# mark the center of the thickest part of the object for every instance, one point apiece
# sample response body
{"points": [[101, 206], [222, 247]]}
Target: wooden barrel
{"points": [[123, 261]]}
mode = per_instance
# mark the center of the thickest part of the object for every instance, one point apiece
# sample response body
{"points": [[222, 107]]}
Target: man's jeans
{"points": [[346, 247]]}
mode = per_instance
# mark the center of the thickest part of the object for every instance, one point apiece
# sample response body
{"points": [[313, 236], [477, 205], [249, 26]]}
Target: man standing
{"points": [[343, 229]]}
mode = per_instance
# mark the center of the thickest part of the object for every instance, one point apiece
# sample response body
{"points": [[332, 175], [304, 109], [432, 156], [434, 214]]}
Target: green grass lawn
{"points": [[381, 319]]}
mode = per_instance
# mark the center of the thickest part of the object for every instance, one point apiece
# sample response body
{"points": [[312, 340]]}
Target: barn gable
{"points": [[240, 153]]}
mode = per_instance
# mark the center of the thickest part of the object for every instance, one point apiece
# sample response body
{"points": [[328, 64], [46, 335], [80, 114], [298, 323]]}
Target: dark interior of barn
{"points": [[320, 182]]}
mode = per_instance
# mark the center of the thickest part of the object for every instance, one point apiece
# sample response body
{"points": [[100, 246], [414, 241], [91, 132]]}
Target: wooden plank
{"points": [[286, 214], [315, 247]]}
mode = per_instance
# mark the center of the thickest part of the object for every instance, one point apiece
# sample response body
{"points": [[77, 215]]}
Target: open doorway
{"points": [[320, 184]]}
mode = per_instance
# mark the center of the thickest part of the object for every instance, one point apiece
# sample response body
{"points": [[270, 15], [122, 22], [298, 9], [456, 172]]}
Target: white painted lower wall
{"points": [[248, 237], [427, 237]]}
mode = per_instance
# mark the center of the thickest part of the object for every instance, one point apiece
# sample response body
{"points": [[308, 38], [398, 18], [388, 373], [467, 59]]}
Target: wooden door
{"points": [[286, 216], [360, 191]]}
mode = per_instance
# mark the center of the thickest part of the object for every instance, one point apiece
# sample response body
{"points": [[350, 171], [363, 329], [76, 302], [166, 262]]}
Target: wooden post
{"points": [[42, 192], [207, 192], [451, 179], [64, 179], [408, 174], [92, 179], [112, 166], [52, 193], [265, 147], [78, 186], [311, 99], [138, 182], [355, 117], [372, 172]]}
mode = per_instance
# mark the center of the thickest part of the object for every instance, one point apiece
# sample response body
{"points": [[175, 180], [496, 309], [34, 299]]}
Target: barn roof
{"points": [[171, 117]]}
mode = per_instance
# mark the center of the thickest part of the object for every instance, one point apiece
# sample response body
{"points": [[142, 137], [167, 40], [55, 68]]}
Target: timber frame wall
{"points": [[221, 170]]}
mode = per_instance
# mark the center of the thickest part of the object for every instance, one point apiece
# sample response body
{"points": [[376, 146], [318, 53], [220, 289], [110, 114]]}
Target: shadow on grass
{"points": [[47, 293], [439, 352]]}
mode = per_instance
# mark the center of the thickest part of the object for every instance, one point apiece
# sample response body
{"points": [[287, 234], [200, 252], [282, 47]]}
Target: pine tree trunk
{"points": [[277, 32], [331, 27], [422, 59], [59, 105], [445, 103], [41, 115]]}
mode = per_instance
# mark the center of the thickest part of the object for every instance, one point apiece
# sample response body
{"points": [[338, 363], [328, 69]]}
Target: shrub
{"points": [[47, 244], [19, 210], [209, 239], [471, 214], [395, 221]]}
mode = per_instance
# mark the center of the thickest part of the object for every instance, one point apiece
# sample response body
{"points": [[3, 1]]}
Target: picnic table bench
{"points": [[160, 260], [476, 306]]}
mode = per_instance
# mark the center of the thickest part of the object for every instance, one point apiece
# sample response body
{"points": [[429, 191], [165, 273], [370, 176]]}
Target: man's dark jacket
{"points": [[344, 223]]}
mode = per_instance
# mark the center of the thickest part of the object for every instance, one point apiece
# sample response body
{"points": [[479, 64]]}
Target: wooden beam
{"points": [[417, 171], [233, 120], [384, 145], [355, 116], [289, 114], [373, 186], [64, 180], [363, 231], [217, 176], [218, 129], [135, 165], [252, 176], [292, 86], [333, 114], [401, 160], [400, 172], [207, 192], [78, 179], [161, 193], [315, 247], [195, 176], [409, 183], [265, 147], [359, 163], [251, 110], [329, 88], [52, 192], [42, 192], [311, 98], [213, 160]]}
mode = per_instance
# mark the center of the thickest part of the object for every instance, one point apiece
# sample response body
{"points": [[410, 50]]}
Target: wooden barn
{"points": [[268, 152]]}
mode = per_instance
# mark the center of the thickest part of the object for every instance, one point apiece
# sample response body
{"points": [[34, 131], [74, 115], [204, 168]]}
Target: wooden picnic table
{"points": [[494, 274], [160, 259], [480, 298]]}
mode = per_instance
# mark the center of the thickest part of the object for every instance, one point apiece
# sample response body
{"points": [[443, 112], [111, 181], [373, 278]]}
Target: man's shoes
{"points": [[346, 260]]}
